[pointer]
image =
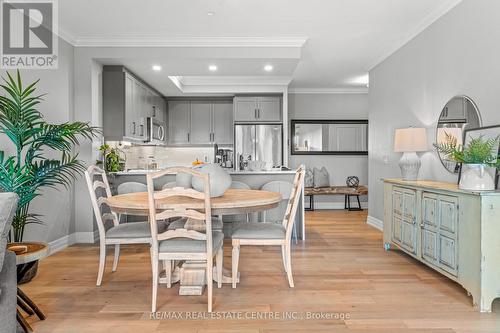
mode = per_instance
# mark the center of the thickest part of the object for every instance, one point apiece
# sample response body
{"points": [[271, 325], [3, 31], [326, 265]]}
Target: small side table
{"points": [[33, 252]]}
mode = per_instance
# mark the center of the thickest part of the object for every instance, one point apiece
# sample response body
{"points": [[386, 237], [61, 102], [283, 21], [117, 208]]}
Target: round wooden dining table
{"points": [[234, 201], [191, 274]]}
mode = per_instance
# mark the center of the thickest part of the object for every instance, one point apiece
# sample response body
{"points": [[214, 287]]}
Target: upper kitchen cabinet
{"points": [[257, 109], [128, 103], [200, 122], [179, 122], [222, 122]]}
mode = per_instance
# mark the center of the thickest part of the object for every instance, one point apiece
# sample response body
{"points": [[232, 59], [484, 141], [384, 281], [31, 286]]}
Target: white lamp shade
{"points": [[410, 140]]}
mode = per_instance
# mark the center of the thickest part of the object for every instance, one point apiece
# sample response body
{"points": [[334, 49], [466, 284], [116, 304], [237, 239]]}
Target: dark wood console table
{"points": [[346, 191]]}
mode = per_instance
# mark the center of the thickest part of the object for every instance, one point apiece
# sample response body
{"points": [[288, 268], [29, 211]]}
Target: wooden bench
{"points": [[346, 191]]}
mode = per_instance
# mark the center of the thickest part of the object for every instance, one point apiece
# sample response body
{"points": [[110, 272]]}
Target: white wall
{"points": [[458, 54], [331, 106], [55, 206]]}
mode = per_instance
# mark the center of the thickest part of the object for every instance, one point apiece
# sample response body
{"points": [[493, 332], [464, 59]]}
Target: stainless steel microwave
{"points": [[156, 131]]}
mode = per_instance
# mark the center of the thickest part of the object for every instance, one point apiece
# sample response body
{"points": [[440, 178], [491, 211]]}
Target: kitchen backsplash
{"points": [[139, 157]]}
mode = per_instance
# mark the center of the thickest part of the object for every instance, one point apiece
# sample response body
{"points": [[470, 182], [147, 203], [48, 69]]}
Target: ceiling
{"points": [[319, 45]]}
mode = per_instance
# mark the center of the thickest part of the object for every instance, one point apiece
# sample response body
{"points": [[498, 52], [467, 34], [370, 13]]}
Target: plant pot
{"points": [[27, 272], [477, 177]]}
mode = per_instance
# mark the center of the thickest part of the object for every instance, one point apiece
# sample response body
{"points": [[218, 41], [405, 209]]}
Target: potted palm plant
{"points": [[479, 159], [30, 168]]}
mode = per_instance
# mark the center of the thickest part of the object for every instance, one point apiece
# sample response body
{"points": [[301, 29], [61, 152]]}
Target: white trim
{"points": [[230, 84], [421, 26], [158, 41], [318, 205], [74, 238], [352, 90], [375, 222]]}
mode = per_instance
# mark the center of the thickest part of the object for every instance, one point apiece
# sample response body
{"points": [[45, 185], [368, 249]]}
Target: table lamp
{"points": [[409, 141]]}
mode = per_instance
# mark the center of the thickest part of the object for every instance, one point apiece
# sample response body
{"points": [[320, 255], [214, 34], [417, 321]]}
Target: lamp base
{"points": [[409, 164]]}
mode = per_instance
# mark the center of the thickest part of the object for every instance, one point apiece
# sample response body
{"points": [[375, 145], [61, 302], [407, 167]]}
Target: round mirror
{"points": [[459, 114]]}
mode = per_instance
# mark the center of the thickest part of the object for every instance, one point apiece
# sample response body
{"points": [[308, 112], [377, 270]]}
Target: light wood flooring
{"points": [[341, 268]]}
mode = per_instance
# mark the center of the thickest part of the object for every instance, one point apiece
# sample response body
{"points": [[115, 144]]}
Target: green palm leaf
{"points": [[29, 170]]}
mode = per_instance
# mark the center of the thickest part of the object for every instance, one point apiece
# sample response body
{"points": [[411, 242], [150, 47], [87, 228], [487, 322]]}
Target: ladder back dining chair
{"points": [[114, 233], [269, 233], [182, 243]]}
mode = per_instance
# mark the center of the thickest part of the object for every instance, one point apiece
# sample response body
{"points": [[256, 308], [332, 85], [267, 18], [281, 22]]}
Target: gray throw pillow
{"points": [[309, 178], [321, 177]]}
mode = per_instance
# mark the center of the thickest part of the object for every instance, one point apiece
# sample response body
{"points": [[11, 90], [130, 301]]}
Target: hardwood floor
{"points": [[342, 268]]}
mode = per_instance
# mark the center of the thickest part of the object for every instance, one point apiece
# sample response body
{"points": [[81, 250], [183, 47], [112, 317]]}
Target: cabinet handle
{"points": [[258, 113], [133, 127], [188, 137], [142, 130], [255, 113]]}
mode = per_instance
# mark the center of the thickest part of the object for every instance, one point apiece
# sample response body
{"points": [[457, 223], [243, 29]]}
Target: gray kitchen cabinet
{"points": [[130, 116], [127, 103], [269, 108], [201, 122], [257, 108], [179, 122], [222, 122], [245, 108]]}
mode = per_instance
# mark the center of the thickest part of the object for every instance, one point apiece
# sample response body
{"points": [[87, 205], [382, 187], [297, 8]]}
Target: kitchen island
{"points": [[254, 179]]}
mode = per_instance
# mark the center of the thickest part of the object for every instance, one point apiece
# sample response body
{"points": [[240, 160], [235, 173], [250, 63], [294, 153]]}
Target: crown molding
{"points": [[159, 41], [352, 90], [230, 84], [445, 7]]}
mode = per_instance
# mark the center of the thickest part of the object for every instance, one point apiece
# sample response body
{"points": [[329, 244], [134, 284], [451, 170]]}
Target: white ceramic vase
{"points": [[220, 180], [477, 177]]}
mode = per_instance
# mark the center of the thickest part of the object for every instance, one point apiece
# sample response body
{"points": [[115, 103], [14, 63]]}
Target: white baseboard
{"points": [[74, 238], [375, 222], [334, 205]]}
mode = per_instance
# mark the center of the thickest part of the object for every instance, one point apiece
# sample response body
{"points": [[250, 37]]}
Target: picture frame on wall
{"points": [[487, 132]]}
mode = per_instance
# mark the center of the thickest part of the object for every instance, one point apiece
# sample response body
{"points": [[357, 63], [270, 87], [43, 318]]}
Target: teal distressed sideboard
{"points": [[453, 231]]}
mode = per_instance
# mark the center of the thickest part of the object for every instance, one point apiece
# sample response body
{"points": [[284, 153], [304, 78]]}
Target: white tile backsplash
{"points": [[138, 157]]}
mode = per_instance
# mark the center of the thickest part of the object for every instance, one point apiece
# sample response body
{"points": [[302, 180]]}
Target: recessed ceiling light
{"points": [[157, 68], [212, 68], [268, 68], [210, 13]]}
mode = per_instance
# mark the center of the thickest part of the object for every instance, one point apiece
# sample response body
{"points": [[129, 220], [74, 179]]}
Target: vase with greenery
{"points": [[34, 143], [479, 159], [111, 158]]}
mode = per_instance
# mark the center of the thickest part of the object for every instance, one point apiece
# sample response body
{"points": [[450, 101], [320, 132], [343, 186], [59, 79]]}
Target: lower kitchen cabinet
{"points": [[452, 231]]}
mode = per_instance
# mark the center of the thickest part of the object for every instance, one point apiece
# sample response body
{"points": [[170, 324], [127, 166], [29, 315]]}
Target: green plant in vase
{"points": [[477, 155], [32, 166], [112, 160]]}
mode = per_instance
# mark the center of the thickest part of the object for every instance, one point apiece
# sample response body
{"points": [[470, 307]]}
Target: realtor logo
{"points": [[29, 34]]}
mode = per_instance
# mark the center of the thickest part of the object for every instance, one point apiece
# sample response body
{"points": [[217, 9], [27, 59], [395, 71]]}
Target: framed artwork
{"points": [[488, 132]]}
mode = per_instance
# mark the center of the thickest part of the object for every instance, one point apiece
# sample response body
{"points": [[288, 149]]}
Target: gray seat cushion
{"points": [[179, 224], [8, 206], [133, 230], [258, 230], [187, 245]]}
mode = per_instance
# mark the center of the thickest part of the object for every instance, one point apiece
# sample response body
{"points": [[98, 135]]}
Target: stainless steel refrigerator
{"points": [[263, 143]]}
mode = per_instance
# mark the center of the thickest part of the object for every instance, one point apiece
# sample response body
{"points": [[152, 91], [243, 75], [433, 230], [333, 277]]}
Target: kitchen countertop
{"points": [[232, 172]]}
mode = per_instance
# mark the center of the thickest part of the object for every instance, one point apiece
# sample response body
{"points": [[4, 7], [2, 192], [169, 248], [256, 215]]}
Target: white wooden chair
{"points": [[276, 214], [265, 233], [181, 243], [117, 233]]}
